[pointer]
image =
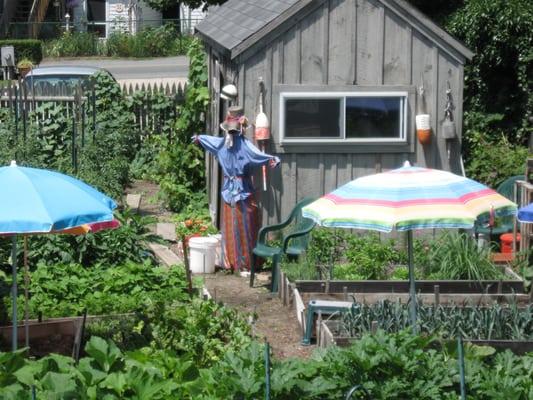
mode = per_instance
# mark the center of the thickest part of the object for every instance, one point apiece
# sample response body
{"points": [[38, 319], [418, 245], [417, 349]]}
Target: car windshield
{"points": [[55, 80]]}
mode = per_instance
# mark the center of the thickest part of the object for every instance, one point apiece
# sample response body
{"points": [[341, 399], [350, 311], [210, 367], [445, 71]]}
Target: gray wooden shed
{"points": [[333, 70]]}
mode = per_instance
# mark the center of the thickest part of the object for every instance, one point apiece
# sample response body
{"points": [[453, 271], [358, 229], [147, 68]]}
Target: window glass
{"points": [[96, 10], [373, 117], [313, 118]]}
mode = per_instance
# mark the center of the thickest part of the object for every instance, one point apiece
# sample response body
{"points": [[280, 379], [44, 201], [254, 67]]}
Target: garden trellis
{"points": [[154, 109]]}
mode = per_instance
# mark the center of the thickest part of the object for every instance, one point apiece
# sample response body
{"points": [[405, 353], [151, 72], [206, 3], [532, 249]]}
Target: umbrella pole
{"points": [[14, 333], [26, 294], [412, 290]]}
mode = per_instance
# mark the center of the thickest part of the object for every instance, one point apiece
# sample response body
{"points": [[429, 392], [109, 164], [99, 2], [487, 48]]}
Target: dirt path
{"points": [[273, 321]]}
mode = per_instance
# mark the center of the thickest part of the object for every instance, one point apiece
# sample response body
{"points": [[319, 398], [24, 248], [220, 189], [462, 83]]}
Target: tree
{"points": [[162, 5]]}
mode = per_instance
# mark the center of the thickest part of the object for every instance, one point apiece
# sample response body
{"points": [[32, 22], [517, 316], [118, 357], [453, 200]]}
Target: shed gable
{"points": [[243, 27]]}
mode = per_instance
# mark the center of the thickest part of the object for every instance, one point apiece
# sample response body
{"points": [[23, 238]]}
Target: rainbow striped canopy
{"points": [[408, 198]]}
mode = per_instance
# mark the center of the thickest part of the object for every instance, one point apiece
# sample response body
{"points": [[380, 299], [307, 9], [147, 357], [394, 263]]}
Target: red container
{"points": [[506, 241]]}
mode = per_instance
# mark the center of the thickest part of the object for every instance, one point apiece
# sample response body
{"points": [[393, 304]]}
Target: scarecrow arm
{"points": [[211, 143], [257, 157]]}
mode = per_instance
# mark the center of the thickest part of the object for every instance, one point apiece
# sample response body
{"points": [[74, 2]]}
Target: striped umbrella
{"points": [[407, 199]]}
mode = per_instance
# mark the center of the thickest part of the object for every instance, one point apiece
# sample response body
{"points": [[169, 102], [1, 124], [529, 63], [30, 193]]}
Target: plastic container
{"points": [[218, 252], [202, 253], [506, 241]]}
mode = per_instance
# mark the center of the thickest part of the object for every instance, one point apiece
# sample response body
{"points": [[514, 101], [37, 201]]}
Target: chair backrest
{"points": [[300, 223], [506, 188]]}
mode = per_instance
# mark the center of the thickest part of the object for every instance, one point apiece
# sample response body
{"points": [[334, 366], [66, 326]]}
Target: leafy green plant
{"points": [[458, 256], [493, 161], [72, 44], [203, 329], [180, 168], [68, 289], [398, 366], [496, 322]]}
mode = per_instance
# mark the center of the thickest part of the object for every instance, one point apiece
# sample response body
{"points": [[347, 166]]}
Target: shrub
{"points": [[149, 42], [25, 48], [491, 162], [72, 44]]}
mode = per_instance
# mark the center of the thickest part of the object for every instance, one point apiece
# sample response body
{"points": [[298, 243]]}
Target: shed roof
{"points": [[237, 25]]}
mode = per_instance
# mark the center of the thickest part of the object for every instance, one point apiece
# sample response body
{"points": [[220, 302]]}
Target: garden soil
{"points": [[270, 319]]}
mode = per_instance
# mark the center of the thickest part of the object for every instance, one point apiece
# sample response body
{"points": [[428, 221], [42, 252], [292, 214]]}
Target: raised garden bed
{"points": [[514, 284], [328, 336]]}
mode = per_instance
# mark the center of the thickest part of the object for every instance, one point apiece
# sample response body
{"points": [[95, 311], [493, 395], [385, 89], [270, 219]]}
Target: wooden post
{"points": [[186, 265], [374, 327], [436, 291], [345, 293]]}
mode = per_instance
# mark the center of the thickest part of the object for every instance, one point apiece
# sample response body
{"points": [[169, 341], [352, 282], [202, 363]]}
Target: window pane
{"points": [[96, 10], [312, 118], [373, 117]]}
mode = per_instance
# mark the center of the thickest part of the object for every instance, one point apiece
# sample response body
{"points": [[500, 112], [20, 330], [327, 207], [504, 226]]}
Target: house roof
{"points": [[237, 25]]}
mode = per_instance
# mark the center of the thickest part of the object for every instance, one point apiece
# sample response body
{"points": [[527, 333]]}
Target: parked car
{"points": [[71, 76]]}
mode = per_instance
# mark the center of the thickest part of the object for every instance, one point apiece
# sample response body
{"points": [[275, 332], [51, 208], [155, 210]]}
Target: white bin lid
{"points": [[203, 241]]}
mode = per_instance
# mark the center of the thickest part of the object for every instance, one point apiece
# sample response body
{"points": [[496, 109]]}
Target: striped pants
{"points": [[240, 225]]}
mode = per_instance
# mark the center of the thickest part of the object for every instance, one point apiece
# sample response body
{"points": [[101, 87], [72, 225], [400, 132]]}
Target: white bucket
{"points": [[218, 249], [202, 255]]}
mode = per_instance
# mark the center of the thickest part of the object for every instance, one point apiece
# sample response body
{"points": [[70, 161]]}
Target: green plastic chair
{"points": [[505, 224], [294, 242]]}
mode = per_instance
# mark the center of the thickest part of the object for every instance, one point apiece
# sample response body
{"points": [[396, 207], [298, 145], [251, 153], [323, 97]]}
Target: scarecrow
{"points": [[237, 157]]}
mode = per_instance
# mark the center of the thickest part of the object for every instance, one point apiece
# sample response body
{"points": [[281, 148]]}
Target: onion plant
{"points": [[495, 322]]}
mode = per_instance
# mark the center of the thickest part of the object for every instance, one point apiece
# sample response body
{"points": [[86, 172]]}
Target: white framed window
{"points": [[338, 117]]}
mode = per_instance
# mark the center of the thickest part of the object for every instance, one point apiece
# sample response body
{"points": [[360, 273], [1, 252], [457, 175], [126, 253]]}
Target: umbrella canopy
{"points": [[406, 199], [41, 201], [525, 214]]}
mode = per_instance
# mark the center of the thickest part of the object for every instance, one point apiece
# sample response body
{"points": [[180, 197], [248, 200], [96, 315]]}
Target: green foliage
{"points": [[458, 256], [162, 5], [25, 48], [498, 80], [371, 257], [495, 322], [343, 255], [491, 162], [64, 290], [326, 245], [162, 41], [129, 242], [202, 329], [180, 169], [399, 366], [72, 44]]}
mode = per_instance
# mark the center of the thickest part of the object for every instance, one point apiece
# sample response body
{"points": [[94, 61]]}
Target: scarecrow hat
{"points": [[235, 120]]}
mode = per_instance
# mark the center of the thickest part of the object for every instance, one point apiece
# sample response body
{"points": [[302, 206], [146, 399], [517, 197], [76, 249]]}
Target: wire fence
{"points": [[53, 29]]}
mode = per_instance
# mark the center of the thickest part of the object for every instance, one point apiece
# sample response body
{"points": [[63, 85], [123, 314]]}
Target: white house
{"points": [[105, 16]]}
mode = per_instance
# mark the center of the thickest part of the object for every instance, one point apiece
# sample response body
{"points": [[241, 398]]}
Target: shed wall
{"points": [[347, 43]]}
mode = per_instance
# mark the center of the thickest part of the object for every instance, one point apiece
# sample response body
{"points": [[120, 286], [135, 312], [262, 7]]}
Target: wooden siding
{"points": [[347, 43]]}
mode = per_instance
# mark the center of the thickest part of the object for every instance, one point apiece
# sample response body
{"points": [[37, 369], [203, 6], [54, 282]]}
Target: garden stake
{"points": [[82, 333], [186, 264], [267, 370], [412, 291], [461, 367]]}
